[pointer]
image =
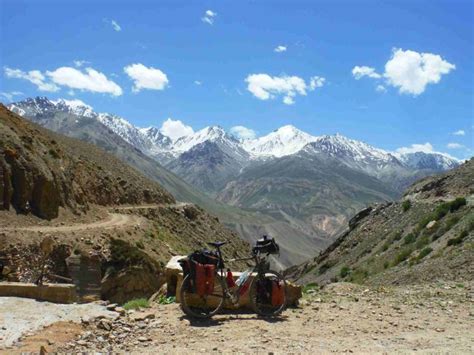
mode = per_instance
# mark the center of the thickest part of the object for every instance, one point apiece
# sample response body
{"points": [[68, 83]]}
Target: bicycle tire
{"points": [[263, 309], [201, 312]]}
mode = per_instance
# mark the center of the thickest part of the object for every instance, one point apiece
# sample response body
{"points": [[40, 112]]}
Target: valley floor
{"points": [[342, 317]]}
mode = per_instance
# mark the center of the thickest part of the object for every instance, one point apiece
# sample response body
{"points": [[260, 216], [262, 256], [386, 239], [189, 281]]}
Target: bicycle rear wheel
{"points": [[268, 294], [197, 306]]}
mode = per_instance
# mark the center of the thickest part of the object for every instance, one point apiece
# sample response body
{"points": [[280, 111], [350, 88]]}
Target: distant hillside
{"points": [[426, 236], [41, 171]]}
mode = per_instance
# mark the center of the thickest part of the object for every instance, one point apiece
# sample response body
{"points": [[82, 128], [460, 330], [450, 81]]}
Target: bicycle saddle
{"points": [[217, 244]]}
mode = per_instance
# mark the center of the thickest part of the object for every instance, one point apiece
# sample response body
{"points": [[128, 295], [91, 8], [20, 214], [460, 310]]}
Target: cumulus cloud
{"points": [[460, 132], [175, 129], [265, 87], [209, 17], [411, 71], [243, 132], [87, 80], [146, 77], [359, 72], [454, 146], [425, 148], [11, 95], [380, 88], [280, 49], [33, 76], [316, 82]]}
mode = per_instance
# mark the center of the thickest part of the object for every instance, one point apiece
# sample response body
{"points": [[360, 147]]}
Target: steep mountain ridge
{"points": [[427, 236]]}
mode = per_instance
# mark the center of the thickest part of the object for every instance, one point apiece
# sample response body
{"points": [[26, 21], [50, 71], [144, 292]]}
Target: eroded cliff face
{"points": [[41, 171]]}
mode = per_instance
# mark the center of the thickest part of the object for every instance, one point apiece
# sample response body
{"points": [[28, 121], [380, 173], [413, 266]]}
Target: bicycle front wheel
{"points": [[268, 294], [201, 306]]}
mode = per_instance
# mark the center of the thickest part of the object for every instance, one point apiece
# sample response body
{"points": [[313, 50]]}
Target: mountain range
{"points": [[297, 187]]}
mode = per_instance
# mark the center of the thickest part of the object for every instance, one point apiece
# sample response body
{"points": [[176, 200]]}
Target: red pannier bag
{"points": [[205, 279], [278, 293]]}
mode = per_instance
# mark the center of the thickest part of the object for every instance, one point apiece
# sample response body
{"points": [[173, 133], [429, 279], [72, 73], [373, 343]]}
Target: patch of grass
{"points": [[166, 300], [358, 275], [458, 240], [406, 205], [137, 304], [409, 238], [424, 221], [397, 235], [460, 285], [385, 246], [140, 244], [424, 253], [386, 264], [421, 242], [457, 204], [442, 210], [345, 271], [310, 286], [451, 222], [402, 256]]}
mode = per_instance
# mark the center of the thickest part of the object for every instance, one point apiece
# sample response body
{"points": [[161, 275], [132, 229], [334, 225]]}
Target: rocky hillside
{"points": [[428, 235], [41, 171]]}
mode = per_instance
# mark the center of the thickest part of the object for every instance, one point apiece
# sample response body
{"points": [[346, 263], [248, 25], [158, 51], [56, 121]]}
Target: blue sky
{"points": [[413, 84]]}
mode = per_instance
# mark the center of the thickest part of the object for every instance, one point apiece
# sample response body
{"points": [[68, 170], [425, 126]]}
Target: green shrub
{"points": [[451, 222], [406, 205], [425, 220], [397, 235], [442, 210], [386, 264], [402, 256], [166, 300], [136, 304], [421, 242], [358, 275], [140, 244], [459, 239], [54, 154], [385, 246], [345, 270], [310, 286], [457, 204], [424, 253], [409, 238]]}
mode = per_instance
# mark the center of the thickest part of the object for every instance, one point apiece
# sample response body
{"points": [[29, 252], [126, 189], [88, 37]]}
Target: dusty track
{"points": [[114, 220]]}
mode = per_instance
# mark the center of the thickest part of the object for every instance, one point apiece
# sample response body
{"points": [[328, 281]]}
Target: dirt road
{"points": [[342, 318]]}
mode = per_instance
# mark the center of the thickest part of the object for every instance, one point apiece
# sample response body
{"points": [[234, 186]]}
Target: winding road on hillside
{"points": [[114, 220]]}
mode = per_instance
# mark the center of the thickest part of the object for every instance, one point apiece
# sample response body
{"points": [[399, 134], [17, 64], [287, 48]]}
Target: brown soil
{"points": [[341, 318]]}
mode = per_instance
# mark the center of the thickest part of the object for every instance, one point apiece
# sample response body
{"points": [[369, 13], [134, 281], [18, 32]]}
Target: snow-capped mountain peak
{"points": [[286, 140], [428, 160], [76, 107], [211, 133]]}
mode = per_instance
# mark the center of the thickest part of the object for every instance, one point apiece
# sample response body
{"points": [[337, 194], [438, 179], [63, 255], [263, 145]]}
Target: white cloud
{"points": [[80, 63], [264, 86], [209, 17], [146, 77], [425, 148], [460, 132], [411, 71], [33, 76], [90, 80], [380, 88], [316, 82], [10, 95], [361, 71], [454, 146], [280, 49], [243, 132], [175, 129], [197, 82], [115, 26]]}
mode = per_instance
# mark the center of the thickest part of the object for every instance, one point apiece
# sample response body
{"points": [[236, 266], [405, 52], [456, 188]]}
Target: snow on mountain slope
{"points": [[286, 140], [431, 161]]}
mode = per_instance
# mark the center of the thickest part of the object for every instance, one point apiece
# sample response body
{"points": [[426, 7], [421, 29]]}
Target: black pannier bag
{"points": [[266, 246]]}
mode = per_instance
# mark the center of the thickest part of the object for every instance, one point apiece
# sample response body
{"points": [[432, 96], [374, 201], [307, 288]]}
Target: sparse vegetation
{"points": [[406, 205], [140, 244], [457, 203], [459, 239], [310, 286], [451, 222], [358, 275], [422, 241], [136, 304], [166, 300], [424, 253], [409, 238], [54, 153], [402, 256], [345, 271]]}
